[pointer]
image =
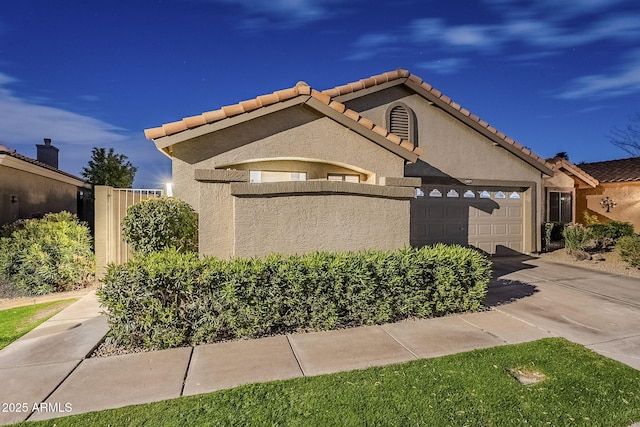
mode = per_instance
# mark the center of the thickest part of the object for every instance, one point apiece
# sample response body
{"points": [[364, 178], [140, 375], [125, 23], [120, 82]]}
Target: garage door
{"points": [[489, 218]]}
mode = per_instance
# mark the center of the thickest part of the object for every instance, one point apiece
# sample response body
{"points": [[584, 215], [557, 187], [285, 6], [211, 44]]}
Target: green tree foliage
{"points": [[108, 168], [158, 223], [47, 255]]}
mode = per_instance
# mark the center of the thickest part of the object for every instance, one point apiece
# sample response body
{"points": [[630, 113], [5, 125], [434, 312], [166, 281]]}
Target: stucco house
{"points": [[384, 162], [32, 187], [618, 183], [563, 190]]}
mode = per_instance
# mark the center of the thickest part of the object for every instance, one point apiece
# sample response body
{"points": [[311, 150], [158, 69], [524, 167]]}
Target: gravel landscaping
{"points": [[608, 262]]}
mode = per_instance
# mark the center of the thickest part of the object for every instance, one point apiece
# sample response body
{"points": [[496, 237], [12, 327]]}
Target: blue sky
{"points": [[553, 75]]}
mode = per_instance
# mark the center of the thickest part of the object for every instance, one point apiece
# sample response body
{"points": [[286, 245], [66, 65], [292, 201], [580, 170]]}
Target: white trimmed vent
{"points": [[399, 122]]}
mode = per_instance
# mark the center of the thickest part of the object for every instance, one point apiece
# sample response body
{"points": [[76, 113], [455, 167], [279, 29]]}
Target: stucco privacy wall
{"points": [[36, 195], [295, 133], [242, 219], [452, 149], [625, 194], [332, 222]]}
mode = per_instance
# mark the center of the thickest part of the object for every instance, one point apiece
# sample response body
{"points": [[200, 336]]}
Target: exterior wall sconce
{"points": [[14, 198], [608, 203]]}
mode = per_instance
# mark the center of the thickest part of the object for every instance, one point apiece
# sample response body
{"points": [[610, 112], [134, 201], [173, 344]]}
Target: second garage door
{"points": [[489, 218]]}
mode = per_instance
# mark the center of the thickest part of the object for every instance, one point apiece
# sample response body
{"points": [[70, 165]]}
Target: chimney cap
{"points": [[47, 141]]}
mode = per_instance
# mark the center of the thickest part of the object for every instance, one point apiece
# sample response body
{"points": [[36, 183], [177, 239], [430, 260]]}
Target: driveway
{"points": [[598, 310]]}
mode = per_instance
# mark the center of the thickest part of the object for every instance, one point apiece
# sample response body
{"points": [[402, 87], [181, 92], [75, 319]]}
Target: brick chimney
{"points": [[47, 153]]}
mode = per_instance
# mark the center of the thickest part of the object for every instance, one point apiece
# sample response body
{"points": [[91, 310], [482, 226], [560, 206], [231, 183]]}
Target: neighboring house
{"points": [[30, 188], [300, 170], [619, 182], [562, 189]]}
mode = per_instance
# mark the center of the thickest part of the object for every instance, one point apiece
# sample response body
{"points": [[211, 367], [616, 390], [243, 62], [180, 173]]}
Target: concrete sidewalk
{"points": [[48, 365], [47, 369]]}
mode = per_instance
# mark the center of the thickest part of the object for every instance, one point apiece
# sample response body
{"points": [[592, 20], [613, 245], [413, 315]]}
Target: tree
{"points": [[628, 138], [561, 155], [109, 168]]}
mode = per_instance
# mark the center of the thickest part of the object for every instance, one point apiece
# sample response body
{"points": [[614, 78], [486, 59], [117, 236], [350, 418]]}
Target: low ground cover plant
{"points": [[158, 223], [168, 299], [40, 256]]}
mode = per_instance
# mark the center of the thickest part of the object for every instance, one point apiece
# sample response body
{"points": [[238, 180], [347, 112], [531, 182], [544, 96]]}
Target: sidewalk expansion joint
{"points": [[57, 386], [524, 321], [295, 355], [402, 345], [186, 371]]}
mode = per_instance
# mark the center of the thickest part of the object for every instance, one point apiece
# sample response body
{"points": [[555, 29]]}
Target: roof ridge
{"points": [[301, 88]]}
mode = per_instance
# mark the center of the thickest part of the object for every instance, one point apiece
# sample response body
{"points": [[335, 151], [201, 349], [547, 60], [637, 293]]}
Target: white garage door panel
{"points": [[493, 224]]}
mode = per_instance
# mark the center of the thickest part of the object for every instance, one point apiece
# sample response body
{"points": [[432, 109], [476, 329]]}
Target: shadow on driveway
{"points": [[503, 290]]}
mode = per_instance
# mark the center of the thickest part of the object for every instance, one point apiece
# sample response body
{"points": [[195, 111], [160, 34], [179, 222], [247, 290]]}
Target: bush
{"points": [[576, 237], [168, 299], [629, 249], [606, 235], [158, 223], [47, 255]]}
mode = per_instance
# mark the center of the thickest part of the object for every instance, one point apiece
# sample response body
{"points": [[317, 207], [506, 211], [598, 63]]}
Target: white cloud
{"points": [[624, 81], [444, 66], [261, 13], [370, 45], [22, 121]]}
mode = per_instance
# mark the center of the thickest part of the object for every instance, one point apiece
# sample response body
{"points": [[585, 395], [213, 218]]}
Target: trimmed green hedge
{"points": [[168, 299]]}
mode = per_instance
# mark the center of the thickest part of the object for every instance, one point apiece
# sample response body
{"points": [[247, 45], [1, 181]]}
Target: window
{"points": [[273, 176], [560, 206], [343, 177], [401, 121]]}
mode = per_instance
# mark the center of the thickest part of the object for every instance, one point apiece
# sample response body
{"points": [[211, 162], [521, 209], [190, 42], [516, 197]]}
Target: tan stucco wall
{"points": [[36, 194], [297, 133], [626, 195], [338, 222], [559, 180], [215, 220]]}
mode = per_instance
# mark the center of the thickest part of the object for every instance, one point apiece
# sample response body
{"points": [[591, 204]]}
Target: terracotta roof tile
{"points": [[622, 170], [340, 108], [366, 122], [301, 88], [352, 115]]}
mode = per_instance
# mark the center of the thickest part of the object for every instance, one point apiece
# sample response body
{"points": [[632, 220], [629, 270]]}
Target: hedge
{"points": [[168, 299]]}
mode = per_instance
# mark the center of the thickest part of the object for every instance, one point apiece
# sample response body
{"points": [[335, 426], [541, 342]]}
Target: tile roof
{"points": [[622, 170], [301, 88], [7, 151], [406, 76]]}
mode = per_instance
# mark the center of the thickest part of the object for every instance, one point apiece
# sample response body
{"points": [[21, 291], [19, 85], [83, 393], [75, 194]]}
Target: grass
{"points": [[15, 322], [478, 388]]}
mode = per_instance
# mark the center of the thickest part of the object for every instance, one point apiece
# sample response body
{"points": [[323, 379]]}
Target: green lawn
{"points": [[15, 322], [469, 389]]}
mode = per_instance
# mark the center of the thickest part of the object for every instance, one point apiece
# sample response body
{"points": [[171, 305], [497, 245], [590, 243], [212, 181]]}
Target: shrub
{"points": [[576, 237], [46, 255], [606, 235], [168, 299], [590, 219], [629, 249], [158, 223]]}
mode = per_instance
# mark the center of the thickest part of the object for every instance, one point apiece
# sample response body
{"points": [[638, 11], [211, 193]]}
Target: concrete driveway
{"points": [[598, 310]]}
